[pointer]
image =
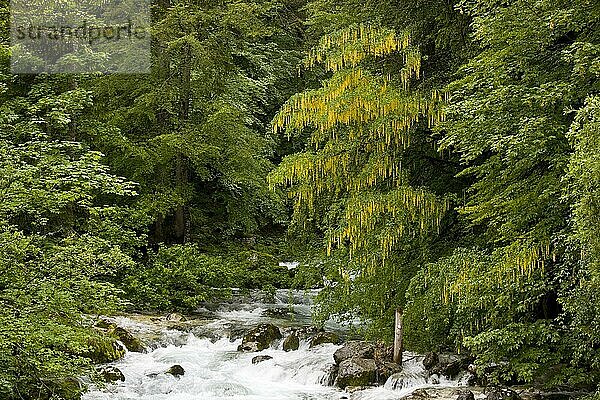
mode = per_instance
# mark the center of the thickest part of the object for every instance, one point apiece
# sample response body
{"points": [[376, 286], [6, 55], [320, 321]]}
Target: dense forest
{"points": [[438, 156]]}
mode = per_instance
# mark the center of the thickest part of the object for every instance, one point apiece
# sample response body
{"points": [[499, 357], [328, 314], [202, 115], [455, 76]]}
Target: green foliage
{"points": [[508, 118], [178, 276], [443, 157], [193, 133], [58, 242]]}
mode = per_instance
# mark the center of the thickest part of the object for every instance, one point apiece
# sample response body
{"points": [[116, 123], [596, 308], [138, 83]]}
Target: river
{"points": [[214, 369]]}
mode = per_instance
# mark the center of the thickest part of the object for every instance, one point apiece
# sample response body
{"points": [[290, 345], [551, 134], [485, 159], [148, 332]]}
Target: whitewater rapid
{"points": [[215, 370]]}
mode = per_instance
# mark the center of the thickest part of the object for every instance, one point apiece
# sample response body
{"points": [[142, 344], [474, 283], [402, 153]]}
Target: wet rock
{"points": [[111, 374], [451, 365], [306, 332], [174, 317], [502, 394], [420, 394], [356, 372], [131, 342], [291, 343], [385, 369], [257, 359], [383, 352], [324, 337], [331, 372], [260, 338], [352, 389], [176, 370], [430, 360], [465, 394], [103, 350], [354, 348]]}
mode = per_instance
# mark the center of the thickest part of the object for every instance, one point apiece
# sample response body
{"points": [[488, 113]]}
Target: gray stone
{"points": [[385, 369], [431, 360], [257, 359], [176, 370], [260, 338], [354, 348], [291, 343], [356, 372], [111, 374], [324, 337], [174, 317]]}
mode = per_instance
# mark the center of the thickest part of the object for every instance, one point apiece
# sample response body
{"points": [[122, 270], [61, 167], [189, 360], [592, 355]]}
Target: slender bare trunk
{"points": [[398, 338]]}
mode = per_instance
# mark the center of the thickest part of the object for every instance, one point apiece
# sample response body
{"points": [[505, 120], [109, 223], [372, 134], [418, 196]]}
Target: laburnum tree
{"points": [[354, 182], [370, 182]]}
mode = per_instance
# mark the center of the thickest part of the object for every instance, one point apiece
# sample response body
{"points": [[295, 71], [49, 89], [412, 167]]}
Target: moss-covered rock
{"points": [[292, 342], [111, 373], [325, 337], [103, 349], [105, 323], [131, 342], [260, 338], [356, 372], [66, 389]]}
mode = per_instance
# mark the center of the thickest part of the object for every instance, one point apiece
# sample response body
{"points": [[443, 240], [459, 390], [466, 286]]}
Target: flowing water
{"points": [[214, 369]]}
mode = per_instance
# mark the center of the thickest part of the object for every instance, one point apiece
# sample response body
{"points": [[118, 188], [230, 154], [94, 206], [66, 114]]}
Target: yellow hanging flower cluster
{"points": [[360, 124], [516, 264]]}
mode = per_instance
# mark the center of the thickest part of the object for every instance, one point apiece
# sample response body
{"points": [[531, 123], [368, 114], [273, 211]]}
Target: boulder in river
{"points": [[176, 370], [131, 342], [420, 394], [502, 394], [175, 317], [260, 338], [105, 323], [385, 369], [257, 359], [111, 374], [292, 342], [306, 332], [103, 350], [451, 365], [431, 360], [354, 348], [324, 337], [356, 372]]}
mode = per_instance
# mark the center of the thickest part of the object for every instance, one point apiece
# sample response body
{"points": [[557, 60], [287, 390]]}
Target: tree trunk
{"points": [[398, 338]]}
